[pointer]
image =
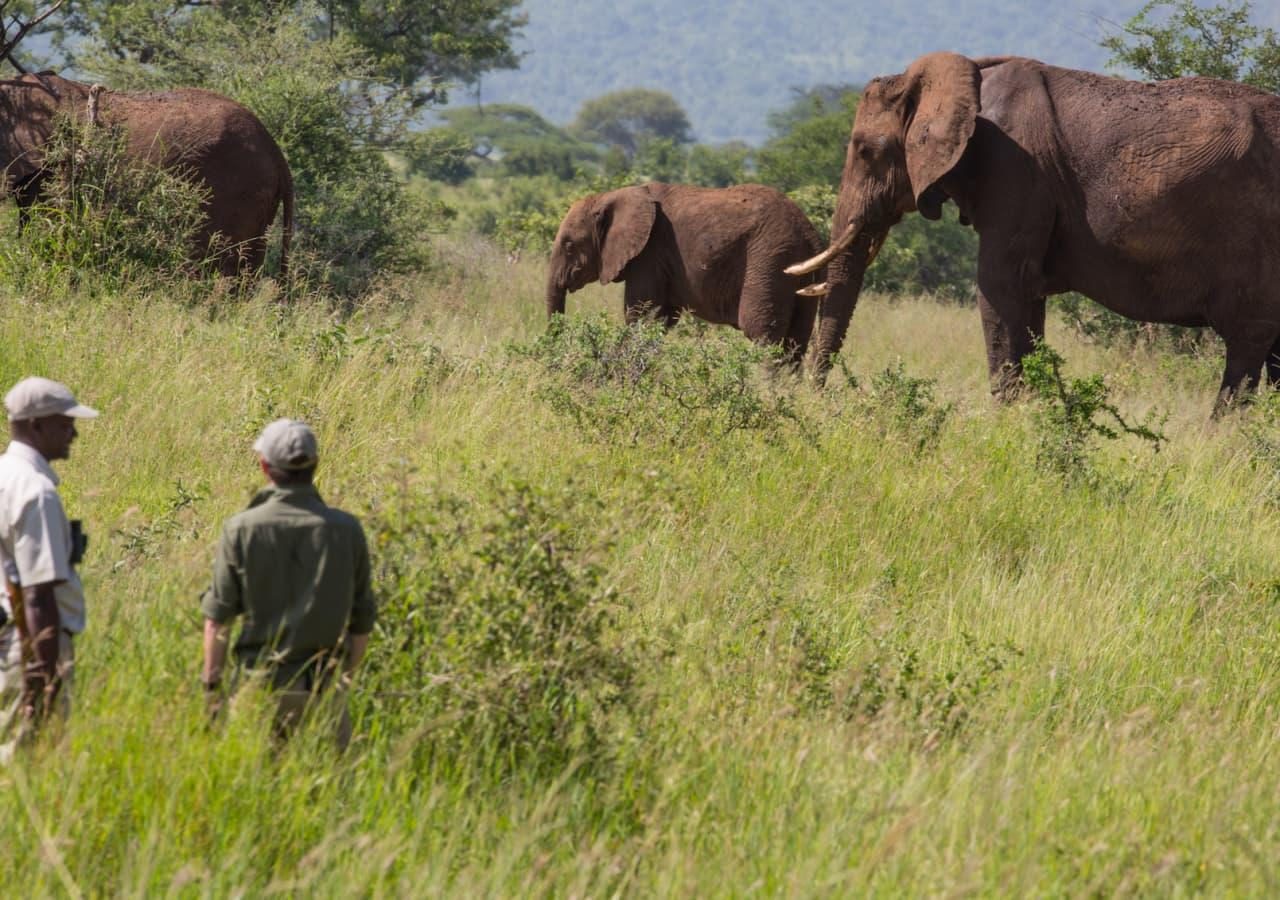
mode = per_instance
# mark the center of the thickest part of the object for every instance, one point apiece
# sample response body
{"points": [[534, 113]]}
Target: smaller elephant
{"points": [[717, 253]]}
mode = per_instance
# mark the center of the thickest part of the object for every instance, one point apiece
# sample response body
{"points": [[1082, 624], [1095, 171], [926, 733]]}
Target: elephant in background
{"points": [[1159, 201], [218, 142], [715, 252]]}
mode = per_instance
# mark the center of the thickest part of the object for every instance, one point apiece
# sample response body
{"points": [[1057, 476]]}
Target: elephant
{"points": [[1160, 201], [714, 252], [219, 142]]}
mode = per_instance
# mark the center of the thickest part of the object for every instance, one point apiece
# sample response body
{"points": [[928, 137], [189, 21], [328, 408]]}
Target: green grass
{"points": [[862, 668]]}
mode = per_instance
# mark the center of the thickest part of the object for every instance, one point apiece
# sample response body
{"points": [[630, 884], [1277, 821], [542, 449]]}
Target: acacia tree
{"points": [[420, 48], [626, 119], [1172, 38]]}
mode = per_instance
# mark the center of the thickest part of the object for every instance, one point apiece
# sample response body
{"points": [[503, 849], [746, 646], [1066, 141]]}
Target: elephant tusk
{"points": [[817, 262], [815, 290], [875, 250]]}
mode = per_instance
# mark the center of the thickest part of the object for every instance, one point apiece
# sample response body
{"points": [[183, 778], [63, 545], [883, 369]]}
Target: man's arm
{"points": [[216, 638], [43, 625], [363, 609]]}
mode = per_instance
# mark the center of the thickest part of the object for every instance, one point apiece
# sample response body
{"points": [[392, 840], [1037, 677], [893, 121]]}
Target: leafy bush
{"points": [[103, 219], [920, 256], [629, 384], [497, 633], [1068, 414]]}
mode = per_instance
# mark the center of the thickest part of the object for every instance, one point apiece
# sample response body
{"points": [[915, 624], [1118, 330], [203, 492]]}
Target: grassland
{"points": [[865, 664]]}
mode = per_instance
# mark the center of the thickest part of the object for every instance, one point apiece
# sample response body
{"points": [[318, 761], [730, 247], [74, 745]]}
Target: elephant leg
{"points": [[796, 343], [643, 298], [1245, 361], [1011, 331], [1273, 365]]}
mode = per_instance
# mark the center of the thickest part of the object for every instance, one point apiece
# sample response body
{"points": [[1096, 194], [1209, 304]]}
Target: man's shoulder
{"points": [[23, 482]]}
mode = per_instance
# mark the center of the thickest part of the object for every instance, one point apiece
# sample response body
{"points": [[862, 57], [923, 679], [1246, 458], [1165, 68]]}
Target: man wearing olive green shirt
{"points": [[298, 572]]}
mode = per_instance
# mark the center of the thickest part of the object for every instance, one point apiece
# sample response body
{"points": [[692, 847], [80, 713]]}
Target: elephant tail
{"points": [[286, 237]]}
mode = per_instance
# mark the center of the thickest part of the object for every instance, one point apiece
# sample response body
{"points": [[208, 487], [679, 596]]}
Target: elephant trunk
{"points": [[556, 292], [845, 273]]}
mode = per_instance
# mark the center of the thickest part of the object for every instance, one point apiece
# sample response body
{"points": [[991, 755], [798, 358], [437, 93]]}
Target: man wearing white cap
{"points": [[39, 550], [297, 570]]}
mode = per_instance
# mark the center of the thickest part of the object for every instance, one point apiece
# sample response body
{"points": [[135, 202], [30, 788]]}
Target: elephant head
{"points": [[909, 132], [596, 240]]}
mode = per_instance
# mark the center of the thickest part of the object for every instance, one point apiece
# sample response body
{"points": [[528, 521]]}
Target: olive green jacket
{"points": [[298, 572]]}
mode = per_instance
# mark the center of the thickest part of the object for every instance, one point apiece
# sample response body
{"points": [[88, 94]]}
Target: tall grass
{"points": [[862, 663]]}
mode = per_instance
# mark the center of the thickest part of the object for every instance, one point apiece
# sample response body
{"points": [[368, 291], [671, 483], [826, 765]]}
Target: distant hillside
{"points": [[730, 62]]}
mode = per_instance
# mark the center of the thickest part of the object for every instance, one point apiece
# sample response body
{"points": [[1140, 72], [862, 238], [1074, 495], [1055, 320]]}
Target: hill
{"points": [[730, 63]]}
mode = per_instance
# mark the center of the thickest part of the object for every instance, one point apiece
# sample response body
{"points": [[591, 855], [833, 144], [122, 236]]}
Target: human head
{"points": [[287, 452], [42, 414]]}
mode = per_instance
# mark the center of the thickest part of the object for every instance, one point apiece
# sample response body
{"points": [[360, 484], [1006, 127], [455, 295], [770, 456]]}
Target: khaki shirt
{"points": [[35, 535], [298, 571]]}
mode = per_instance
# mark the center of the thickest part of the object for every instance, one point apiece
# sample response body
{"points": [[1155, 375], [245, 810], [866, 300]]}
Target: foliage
{"points": [[901, 404], [420, 48], [818, 202], [922, 256], [1173, 38], [717, 166], [497, 634], [622, 384], [809, 139], [524, 142], [103, 220], [1069, 411], [626, 119], [441, 154]]}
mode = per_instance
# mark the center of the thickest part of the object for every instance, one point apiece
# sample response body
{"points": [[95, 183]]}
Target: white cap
{"points": [[288, 444], [36, 398]]}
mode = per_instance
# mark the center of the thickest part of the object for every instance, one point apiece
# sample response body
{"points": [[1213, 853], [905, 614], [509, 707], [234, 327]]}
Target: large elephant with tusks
{"points": [[218, 142], [1159, 201]]}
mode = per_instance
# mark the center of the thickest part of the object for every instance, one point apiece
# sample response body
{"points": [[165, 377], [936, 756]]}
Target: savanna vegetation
{"points": [[656, 617]]}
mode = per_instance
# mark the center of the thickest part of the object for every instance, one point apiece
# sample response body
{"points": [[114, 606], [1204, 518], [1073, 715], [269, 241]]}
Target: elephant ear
{"points": [[946, 94], [623, 224]]}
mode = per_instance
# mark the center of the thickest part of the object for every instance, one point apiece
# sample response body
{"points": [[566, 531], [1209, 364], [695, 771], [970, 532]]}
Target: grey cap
{"points": [[36, 398], [288, 444]]}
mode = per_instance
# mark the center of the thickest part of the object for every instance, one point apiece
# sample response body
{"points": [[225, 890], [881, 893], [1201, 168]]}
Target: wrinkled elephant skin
{"points": [[221, 143], [715, 253], [1159, 201]]}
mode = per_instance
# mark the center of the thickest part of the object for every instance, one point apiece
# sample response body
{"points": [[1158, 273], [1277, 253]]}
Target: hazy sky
{"points": [[767, 47]]}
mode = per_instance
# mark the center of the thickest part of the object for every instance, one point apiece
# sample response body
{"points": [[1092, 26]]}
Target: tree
{"points": [[626, 119], [525, 142], [809, 139], [1172, 38], [420, 48]]}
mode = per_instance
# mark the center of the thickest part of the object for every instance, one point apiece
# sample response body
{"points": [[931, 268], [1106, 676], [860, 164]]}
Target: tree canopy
{"points": [[626, 119], [1172, 38], [422, 48]]}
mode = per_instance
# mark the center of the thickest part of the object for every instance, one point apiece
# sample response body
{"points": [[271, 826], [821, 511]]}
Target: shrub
{"points": [[497, 632], [1069, 411], [103, 219], [632, 384]]}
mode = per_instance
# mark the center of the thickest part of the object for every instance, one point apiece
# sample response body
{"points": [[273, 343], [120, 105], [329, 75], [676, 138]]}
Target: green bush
{"points": [[497, 634], [103, 219], [1069, 411], [633, 384]]}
